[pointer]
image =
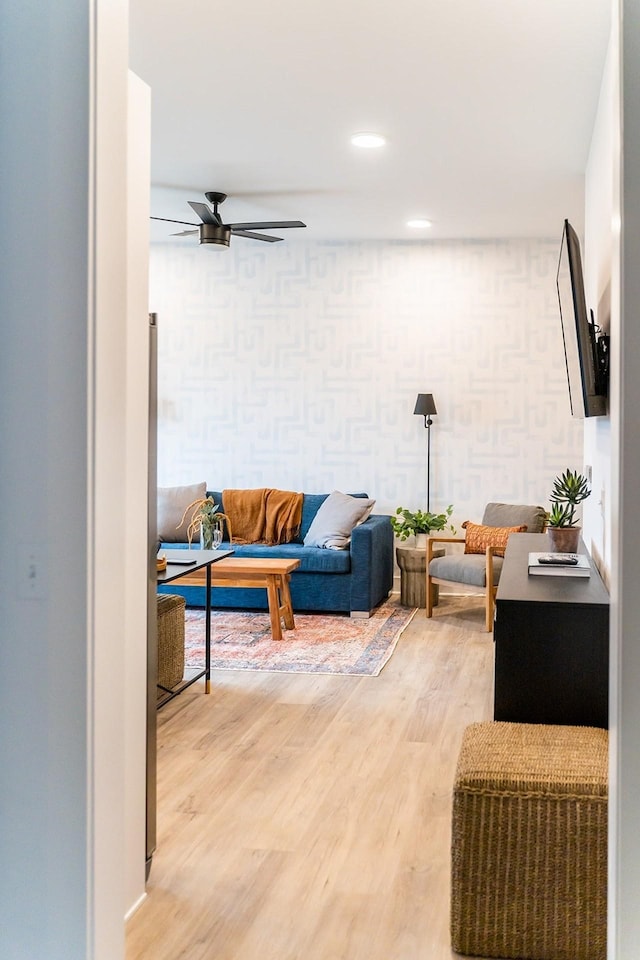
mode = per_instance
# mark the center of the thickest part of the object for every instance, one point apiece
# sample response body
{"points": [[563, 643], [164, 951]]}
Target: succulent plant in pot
{"points": [[563, 530], [420, 523]]}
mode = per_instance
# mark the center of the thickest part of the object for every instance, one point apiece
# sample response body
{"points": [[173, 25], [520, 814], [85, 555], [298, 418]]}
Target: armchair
{"points": [[481, 563]]}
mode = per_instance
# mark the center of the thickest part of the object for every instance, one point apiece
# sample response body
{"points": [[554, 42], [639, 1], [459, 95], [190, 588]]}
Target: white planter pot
{"points": [[421, 541]]}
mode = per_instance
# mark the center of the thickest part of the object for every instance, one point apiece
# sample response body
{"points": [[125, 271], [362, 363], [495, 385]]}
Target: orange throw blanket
{"points": [[263, 516]]}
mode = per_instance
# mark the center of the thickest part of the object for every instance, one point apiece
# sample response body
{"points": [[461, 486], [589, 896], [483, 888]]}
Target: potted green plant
{"points": [[420, 524], [569, 490]]}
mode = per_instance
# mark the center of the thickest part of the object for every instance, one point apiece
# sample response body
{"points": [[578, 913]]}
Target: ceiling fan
{"points": [[213, 230]]}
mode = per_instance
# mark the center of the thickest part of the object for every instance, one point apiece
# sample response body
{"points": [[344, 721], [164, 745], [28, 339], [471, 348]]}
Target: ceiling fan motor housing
{"points": [[214, 196], [215, 233]]}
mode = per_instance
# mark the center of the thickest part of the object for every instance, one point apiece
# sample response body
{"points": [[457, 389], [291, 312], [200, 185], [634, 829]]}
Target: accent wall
{"points": [[298, 365]]}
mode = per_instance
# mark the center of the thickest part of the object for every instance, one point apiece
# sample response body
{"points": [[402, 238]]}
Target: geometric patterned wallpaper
{"points": [[297, 366]]}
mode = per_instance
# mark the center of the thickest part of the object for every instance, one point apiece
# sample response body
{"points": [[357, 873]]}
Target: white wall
{"points": [[602, 434], [298, 366], [107, 488], [612, 225], [600, 177], [624, 848], [137, 466], [62, 289]]}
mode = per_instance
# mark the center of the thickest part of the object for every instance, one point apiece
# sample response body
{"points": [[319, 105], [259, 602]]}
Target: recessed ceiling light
{"points": [[369, 141], [419, 223]]}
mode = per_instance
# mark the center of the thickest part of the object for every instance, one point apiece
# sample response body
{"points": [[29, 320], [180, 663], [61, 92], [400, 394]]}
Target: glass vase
{"points": [[206, 537]]}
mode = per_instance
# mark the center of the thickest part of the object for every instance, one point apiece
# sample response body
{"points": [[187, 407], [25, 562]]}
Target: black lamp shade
{"points": [[425, 405]]}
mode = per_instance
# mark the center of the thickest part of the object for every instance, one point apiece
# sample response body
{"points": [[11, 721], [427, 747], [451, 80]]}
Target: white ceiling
{"points": [[488, 106]]}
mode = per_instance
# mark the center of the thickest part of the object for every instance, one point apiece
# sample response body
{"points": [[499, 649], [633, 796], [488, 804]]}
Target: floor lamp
{"points": [[425, 407]]}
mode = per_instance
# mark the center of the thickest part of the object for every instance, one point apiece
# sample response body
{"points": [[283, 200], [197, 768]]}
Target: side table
{"points": [[181, 563], [413, 576]]}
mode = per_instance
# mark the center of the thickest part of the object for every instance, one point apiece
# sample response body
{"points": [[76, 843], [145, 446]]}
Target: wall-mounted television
{"points": [[586, 349]]}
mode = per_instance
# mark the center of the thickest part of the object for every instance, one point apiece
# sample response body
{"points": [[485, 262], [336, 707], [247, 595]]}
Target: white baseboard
{"points": [[136, 906]]}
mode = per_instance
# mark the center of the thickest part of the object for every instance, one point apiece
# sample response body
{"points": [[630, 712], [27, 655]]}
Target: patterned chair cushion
{"points": [[479, 537]]}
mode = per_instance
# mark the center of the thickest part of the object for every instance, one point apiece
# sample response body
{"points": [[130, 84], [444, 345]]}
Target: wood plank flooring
{"points": [[308, 817]]}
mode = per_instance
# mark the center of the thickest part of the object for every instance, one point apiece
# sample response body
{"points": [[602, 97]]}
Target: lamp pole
{"points": [[428, 421], [425, 407]]}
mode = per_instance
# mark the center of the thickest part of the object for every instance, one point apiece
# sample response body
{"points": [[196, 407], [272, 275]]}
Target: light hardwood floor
{"points": [[308, 817]]}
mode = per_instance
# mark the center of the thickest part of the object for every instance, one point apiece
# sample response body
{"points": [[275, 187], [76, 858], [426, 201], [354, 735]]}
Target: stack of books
{"points": [[559, 564]]}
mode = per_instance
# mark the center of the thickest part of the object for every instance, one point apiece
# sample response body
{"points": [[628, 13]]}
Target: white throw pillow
{"points": [[338, 515], [172, 503]]}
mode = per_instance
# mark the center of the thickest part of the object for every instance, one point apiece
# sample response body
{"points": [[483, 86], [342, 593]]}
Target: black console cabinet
{"points": [[551, 643]]}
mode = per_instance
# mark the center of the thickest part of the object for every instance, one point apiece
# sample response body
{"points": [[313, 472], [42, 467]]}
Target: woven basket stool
{"points": [[529, 842], [170, 640]]}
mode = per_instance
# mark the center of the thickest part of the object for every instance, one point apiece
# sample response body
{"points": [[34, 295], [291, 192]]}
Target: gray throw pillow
{"points": [[337, 516], [172, 502]]}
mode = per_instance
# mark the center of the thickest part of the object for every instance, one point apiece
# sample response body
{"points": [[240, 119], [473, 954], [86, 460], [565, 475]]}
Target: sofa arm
{"points": [[371, 562]]}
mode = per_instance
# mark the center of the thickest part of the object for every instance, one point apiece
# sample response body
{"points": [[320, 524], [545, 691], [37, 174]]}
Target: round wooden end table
{"points": [[413, 576]]}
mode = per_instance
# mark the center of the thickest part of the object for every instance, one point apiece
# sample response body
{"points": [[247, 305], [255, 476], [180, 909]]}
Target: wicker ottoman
{"points": [[170, 640], [529, 842]]}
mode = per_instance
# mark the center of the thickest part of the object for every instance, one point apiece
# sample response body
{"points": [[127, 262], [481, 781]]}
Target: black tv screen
{"points": [[586, 394]]}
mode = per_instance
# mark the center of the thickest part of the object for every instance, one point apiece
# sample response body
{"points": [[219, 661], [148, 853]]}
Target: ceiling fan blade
{"points": [[164, 220], [255, 236], [267, 225], [205, 214], [185, 233]]}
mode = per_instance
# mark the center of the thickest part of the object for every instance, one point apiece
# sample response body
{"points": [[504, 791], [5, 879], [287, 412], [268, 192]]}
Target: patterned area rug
{"points": [[320, 643]]}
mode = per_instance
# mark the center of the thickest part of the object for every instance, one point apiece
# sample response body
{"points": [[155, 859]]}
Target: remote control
{"points": [[566, 560]]}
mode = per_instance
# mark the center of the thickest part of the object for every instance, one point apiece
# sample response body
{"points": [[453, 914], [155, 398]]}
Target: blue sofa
{"points": [[350, 581]]}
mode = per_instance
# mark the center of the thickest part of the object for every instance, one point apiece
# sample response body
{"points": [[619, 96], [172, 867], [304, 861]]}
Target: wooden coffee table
{"points": [[270, 574]]}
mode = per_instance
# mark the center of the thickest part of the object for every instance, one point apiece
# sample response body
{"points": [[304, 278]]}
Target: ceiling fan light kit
{"points": [[215, 233], [212, 231]]}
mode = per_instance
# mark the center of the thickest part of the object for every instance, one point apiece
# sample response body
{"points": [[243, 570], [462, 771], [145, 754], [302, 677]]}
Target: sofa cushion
{"points": [[337, 516], [311, 503], [172, 503], [312, 559]]}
